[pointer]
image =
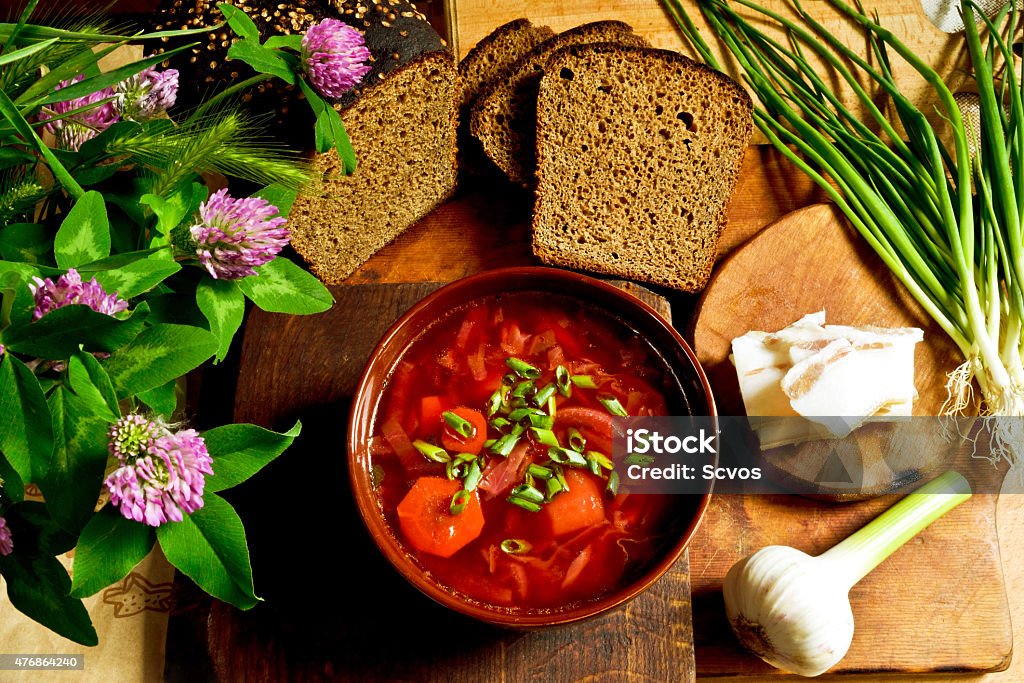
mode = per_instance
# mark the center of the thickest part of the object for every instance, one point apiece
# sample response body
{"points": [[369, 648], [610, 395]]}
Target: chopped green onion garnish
{"points": [[520, 414], [517, 430], [540, 421], [459, 425], [525, 504], [576, 440], [516, 403], [560, 477], [529, 480], [601, 459], [465, 457], [540, 471], [558, 455], [508, 380], [495, 401], [612, 405], [552, 407], [459, 502], [431, 452], [554, 487], [505, 444], [584, 381], [613, 483], [527, 492], [473, 475], [376, 476], [563, 381], [489, 443], [500, 423], [451, 470], [524, 389], [542, 396], [594, 467], [544, 436], [564, 456], [524, 370], [638, 459], [515, 546]]}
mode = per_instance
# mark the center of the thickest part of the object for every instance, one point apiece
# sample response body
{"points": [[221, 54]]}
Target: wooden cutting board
{"points": [[774, 280], [939, 604], [335, 609], [807, 261]]}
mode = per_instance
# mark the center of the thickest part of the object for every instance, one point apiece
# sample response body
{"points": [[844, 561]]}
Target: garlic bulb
{"points": [[793, 610], [797, 619]]}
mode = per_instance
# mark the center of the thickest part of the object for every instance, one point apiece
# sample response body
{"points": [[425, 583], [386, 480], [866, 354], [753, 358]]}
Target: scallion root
{"points": [[960, 390]]}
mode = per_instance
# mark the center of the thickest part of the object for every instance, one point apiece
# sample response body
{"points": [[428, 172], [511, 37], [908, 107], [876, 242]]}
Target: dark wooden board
{"points": [[334, 609]]}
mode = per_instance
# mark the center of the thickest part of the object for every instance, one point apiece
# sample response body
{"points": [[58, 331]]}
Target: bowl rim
{"points": [[384, 537]]}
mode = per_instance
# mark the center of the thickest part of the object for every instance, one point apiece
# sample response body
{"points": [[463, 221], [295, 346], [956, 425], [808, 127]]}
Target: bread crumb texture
{"points": [[404, 140], [638, 152]]}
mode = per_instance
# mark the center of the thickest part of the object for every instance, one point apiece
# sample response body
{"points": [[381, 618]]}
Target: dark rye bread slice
{"points": [[638, 153], [489, 61], [403, 133], [504, 118]]}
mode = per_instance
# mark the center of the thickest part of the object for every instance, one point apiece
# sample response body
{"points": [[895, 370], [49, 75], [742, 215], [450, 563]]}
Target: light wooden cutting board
{"points": [[939, 604]]}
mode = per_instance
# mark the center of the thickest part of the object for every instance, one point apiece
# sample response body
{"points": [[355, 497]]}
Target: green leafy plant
{"points": [[122, 270]]}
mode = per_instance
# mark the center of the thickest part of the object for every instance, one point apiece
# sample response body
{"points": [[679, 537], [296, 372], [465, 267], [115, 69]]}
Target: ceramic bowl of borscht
{"points": [[480, 443]]}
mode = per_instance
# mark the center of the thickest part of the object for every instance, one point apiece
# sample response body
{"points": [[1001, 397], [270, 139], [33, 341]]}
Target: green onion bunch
{"points": [[945, 218]]}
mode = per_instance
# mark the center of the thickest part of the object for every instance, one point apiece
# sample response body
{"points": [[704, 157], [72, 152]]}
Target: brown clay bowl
{"points": [[695, 394]]}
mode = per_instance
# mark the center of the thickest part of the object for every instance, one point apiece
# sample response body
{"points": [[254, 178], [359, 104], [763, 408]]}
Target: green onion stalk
{"points": [[946, 221]]}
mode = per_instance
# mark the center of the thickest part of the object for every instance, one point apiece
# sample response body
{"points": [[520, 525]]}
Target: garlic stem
{"points": [[856, 556]]}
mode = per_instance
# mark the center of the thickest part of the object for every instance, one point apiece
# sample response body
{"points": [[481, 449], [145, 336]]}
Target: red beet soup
{"points": [[491, 452]]}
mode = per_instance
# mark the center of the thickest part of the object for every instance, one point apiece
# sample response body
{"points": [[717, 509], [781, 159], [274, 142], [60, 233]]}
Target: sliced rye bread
{"points": [[504, 118], [496, 53], [638, 153], [489, 61], [403, 133]]}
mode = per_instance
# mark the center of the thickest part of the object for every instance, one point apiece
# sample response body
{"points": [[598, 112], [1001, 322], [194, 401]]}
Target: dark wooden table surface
{"points": [[340, 614]]}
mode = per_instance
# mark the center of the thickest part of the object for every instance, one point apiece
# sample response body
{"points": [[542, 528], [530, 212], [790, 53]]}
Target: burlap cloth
{"points": [[946, 13]]}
